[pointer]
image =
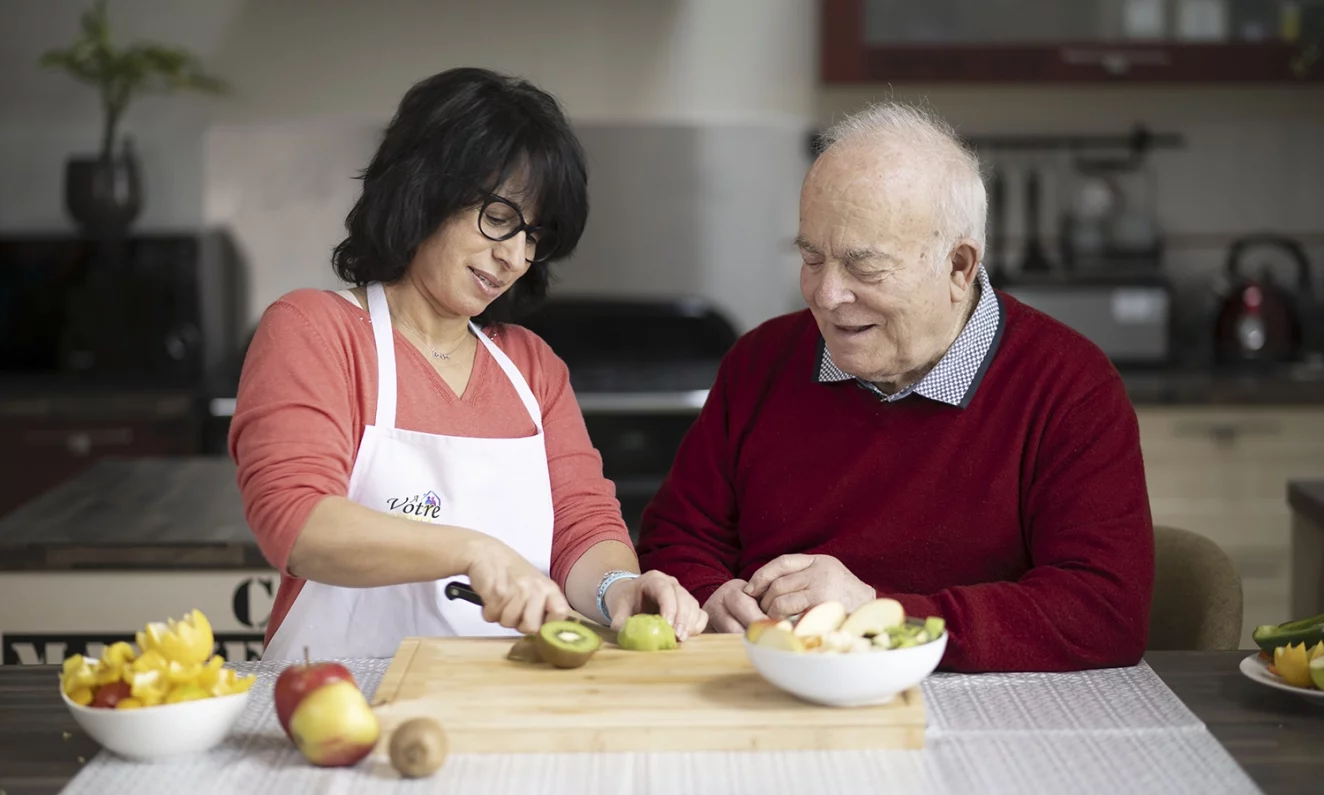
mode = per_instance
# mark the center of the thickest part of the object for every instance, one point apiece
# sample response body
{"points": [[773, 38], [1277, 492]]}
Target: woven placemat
{"points": [[1118, 730]]}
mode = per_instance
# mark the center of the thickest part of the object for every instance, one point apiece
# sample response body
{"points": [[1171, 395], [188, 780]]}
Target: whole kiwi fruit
{"points": [[418, 747], [567, 644]]}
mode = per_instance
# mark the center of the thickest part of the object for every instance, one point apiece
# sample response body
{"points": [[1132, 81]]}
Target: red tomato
{"points": [[108, 696]]}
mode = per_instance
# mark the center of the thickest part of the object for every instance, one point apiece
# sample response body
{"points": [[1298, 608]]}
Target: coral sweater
{"points": [[309, 385], [1022, 519]]}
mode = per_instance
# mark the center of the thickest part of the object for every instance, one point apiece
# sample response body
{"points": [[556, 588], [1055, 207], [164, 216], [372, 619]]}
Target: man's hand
{"points": [[792, 584], [730, 609]]}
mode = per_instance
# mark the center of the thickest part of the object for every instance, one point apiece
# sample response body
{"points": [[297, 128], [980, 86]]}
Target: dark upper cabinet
{"points": [[1080, 41]]}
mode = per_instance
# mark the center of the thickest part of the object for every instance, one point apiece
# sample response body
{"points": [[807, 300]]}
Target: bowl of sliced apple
{"points": [[832, 657]]}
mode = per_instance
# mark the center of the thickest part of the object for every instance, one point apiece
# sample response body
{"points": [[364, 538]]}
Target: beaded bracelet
{"points": [[607, 580]]}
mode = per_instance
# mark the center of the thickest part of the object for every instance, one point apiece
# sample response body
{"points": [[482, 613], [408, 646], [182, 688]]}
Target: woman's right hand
{"points": [[515, 594]]}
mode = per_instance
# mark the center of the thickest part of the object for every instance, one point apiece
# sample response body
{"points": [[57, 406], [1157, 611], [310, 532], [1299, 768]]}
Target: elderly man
{"points": [[914, 434]]}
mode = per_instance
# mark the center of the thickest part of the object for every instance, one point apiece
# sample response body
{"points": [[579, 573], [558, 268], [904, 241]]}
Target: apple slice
{"points": [[756, 629], [821, 619], [779, 638], [874, 617]]}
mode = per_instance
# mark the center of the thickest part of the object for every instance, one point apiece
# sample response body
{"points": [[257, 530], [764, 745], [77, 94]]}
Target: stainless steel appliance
{"points": [[1130, 318], [641, 370]]}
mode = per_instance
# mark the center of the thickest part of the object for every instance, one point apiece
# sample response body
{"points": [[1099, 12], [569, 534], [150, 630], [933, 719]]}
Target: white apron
{"points": [[496, 486]]}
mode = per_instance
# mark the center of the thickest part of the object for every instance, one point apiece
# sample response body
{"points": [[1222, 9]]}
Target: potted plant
{"points": [[103, 193]]}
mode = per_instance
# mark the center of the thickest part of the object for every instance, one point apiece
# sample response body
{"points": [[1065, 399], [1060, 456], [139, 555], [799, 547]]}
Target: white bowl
{"points": [[847, 679], [152, 733]]}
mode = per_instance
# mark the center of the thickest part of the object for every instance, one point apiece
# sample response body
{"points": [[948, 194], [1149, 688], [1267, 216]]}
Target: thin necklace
{"points": [[423, 338]]}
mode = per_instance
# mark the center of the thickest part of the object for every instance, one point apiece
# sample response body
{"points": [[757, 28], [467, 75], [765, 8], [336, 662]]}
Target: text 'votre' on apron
{"points": [[499, 487]]}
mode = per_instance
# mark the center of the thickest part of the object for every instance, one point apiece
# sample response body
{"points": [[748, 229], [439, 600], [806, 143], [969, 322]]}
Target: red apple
{"points": [[297, 681], [334, 726], [322, 710], [108, 695]]}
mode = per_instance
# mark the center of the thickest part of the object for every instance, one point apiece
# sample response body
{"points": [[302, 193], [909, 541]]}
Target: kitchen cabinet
{"points": [[1084, 41], [1222, 471]]}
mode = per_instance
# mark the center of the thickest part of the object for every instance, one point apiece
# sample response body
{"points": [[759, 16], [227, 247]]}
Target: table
{"points": [[1276, 738], [165, 535]]}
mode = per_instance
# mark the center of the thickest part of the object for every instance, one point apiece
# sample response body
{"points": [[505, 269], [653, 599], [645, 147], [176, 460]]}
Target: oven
{"points": [[641, 370]]}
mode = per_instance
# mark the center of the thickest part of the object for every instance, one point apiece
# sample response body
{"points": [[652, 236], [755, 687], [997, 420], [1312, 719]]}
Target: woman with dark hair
{"points": [[401, 434]]}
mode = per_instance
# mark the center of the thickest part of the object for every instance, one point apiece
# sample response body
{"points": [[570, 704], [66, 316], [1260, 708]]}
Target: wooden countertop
{"points": [[1274, 736], [142, 513], [1307, 498]]}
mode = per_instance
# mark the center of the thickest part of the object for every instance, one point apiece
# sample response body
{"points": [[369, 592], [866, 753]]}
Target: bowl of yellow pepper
{"points": [[167, 697]]}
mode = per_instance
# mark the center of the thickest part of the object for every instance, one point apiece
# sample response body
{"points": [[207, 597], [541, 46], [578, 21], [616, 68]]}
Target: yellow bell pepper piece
{"points": [[210, 673], [187, 692], [128, 703], [179, 674], [118, 653], [81, 696], [1293, 664], [81, 674], [151, 660], [148, 687], [110, 673], [72, 663], [186, 640], [1316, 652]]}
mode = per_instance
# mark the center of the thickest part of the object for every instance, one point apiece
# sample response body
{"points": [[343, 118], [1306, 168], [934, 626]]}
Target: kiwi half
{"points": [[567, 644], [525, 650]]}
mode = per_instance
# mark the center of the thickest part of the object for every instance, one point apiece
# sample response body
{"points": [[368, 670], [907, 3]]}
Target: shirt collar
{"points": [[956, 376]]}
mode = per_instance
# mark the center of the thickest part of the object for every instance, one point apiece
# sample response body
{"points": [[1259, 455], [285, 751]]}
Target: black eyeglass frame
{"points": [[542, 236]]}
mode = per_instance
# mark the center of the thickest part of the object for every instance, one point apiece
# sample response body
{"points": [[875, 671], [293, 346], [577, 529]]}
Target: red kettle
{"points": [[1258, 321]]}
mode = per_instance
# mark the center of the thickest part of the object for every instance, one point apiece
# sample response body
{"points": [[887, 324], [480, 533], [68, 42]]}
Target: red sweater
{"points": [[1022, 519]]}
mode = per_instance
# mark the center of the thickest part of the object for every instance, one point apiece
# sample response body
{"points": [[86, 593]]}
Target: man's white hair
{"points": [[896, 126]]}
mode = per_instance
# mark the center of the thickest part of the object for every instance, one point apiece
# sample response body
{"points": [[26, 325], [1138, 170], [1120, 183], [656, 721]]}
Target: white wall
{"points": [[727, 85], [314, 79]]}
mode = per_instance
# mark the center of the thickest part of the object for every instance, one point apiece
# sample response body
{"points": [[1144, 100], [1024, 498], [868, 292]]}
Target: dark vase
{"points": [[104, 195]]}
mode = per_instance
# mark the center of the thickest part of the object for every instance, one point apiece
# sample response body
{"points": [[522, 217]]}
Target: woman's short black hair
{"points": [[456, 137]]}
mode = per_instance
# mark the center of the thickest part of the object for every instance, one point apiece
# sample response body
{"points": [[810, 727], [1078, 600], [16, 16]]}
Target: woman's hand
{"points": [[515, 594], [655, 592]]}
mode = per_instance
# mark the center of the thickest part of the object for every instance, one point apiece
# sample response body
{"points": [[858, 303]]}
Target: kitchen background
{"points": [[1131, 146]]}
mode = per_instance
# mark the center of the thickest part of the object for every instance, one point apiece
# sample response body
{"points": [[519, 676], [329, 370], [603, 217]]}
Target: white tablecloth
{"points": [[1120, 732]]}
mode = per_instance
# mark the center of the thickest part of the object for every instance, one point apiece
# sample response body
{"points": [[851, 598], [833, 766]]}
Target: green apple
{"points": [[1317, 672]]}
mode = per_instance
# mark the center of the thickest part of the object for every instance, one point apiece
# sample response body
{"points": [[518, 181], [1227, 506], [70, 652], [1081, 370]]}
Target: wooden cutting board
{"points": [[703, 696]]}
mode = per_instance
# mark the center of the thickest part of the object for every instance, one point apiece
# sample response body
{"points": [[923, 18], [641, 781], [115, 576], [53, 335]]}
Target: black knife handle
{"points": [[461, 590]]}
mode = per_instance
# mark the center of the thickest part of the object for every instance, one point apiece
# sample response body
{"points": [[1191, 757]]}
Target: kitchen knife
{"points": [[462, 590]]}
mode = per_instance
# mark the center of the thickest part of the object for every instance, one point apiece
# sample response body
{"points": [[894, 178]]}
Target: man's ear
{"points": [[964, 261]]}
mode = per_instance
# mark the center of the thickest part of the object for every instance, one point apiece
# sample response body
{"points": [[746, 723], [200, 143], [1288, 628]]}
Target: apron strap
{"points": [[380, 315], [512, 372]]}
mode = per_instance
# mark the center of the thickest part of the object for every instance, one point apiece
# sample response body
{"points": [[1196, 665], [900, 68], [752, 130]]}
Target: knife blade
{"points": [[462, 590]]}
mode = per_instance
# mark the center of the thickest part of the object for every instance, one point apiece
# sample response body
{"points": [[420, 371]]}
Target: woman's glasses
{"points": [[499, 219]]}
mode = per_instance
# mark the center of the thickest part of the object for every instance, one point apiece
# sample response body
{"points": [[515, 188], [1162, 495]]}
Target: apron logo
{"points": [[420, 508]]}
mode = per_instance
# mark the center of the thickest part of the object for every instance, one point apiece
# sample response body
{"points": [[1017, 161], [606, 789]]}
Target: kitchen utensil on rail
{"points": [[1035, 259], [1259, 321], [995, 254]]}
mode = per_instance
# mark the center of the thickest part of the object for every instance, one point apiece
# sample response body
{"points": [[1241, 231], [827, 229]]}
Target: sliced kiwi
{"points": [[567, 644], [525, 650]]}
